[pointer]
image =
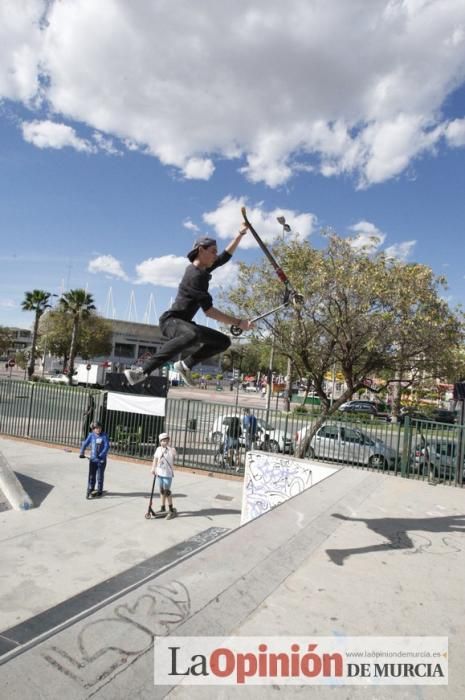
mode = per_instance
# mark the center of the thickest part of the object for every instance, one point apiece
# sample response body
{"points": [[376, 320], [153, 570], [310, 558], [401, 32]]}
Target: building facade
{"points": [[21, 339]]}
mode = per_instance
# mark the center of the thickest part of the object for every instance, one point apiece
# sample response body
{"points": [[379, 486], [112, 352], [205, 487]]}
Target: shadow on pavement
{"points": [[208, 512], [37, 490], [397, 531], [141, 494]]}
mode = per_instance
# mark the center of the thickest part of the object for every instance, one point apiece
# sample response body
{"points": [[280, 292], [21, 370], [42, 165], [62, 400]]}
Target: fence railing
{"points": [[62, 415]]}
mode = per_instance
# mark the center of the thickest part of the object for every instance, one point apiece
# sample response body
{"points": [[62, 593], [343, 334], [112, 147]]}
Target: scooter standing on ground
{"points": [[150, 512]]}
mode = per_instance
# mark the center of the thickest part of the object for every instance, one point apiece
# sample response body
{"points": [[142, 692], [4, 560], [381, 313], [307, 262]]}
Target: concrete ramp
{"points": [[12, 488]]}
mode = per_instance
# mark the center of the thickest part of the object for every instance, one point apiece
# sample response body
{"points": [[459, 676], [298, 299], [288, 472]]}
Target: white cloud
{"points": [[224, 276], [20, 42], [165, 271], [8, 304], [366, 236], [226, 220], [400, 251], [455, 132], [334, 87], [190, 225], [108, 265], [105, 144], [47, 134], [198, 169]]}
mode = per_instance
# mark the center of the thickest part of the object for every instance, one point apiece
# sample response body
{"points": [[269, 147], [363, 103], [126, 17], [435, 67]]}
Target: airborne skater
{"points": [[176, 324]]}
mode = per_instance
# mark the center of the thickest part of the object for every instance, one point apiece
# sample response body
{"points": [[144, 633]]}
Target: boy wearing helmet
{"points": [[99, 445], [163, 468]]}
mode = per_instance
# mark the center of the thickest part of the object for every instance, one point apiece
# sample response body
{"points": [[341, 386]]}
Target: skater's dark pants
{"points": [[185, 336], [96, 473]]}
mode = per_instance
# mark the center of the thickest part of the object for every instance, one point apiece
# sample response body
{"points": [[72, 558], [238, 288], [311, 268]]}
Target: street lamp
{"points": [[281, 220]]}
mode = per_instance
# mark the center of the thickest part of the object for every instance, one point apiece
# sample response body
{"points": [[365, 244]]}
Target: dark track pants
{"points": [[96, 474], [185, 336]]}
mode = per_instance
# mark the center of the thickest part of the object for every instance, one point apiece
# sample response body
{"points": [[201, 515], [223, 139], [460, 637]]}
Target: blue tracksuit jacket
{"points": [[99, 446]]}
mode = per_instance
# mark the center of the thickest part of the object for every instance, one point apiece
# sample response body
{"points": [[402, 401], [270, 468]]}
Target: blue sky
{"points": [[126, 130]]}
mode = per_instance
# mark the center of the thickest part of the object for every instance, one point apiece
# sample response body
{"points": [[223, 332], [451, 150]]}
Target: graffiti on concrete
{"points": [[106, 646], [271, 479]]}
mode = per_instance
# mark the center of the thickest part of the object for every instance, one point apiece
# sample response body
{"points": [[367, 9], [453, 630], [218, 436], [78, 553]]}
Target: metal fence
{"points": [[62, 415]]}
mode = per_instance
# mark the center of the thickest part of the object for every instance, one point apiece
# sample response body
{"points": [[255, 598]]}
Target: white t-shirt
{"points": [[165, 457]]}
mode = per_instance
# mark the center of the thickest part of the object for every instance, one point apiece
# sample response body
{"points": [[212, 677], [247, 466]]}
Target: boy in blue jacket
{"points": [[99, 445]]}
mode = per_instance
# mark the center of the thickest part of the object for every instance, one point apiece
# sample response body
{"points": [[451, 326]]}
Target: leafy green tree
{"points": [[363, 314], [55, 333], [254, 357], [36, 301], [95, 335], [22, 358], [78, 304]]}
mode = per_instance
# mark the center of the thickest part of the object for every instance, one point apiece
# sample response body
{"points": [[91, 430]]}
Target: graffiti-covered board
{"points": [[271, 479]]}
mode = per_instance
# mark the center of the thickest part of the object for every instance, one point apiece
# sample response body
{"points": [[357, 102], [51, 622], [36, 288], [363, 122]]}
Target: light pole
{"points": [[270, 383], [44, 354], [286, 229]]}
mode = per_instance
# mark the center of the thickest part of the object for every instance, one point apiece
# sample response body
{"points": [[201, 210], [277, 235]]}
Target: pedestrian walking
{"points": [[233, 432], [249, 424]]}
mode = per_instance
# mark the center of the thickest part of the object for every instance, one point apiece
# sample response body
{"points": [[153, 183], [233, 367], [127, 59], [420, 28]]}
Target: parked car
{"points": [[268, 437], [442, 415], [413, 415], [359, 406], [440, 455], [61, 379], [345, 444]]}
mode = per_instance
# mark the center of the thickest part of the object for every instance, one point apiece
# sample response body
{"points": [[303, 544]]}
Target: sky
{"points": [[127, 129]]}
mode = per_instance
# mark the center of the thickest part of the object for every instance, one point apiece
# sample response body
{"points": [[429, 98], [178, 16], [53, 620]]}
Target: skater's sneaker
{"points": [[171, 514], [160, 513], [184, 371], [89, 494], [134, 376], [98, 494]]}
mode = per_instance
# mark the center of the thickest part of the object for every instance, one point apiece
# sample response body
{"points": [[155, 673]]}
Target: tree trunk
{"points": [[72, 350], [32, 359]]}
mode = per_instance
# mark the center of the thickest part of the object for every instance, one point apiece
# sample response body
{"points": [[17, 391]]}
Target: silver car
{"points": [[345, 444], [439, 456]]}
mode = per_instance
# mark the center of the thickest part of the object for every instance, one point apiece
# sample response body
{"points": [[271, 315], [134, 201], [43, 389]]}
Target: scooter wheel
{"points": [[148, 516], [236, 331], [297, 300]]}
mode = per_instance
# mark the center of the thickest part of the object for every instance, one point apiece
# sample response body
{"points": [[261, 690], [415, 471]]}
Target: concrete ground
{"points": [[85, 587], [67, 544]]}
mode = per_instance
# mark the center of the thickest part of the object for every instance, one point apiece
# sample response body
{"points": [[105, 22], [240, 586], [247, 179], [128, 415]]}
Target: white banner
{"points": [[131, 403], [301, 661]]}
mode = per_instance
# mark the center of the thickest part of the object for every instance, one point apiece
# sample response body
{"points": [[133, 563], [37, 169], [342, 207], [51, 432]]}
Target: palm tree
{"points": [[79, 304], [36, 301]]}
